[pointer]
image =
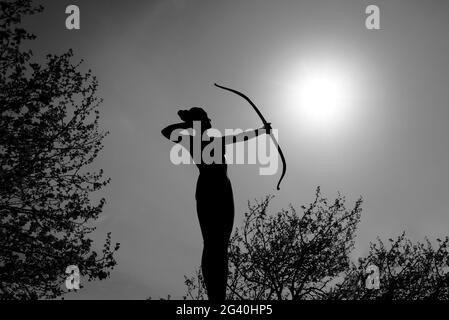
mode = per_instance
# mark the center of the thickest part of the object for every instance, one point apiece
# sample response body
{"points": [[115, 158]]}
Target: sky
{"points": [[387, 142]]}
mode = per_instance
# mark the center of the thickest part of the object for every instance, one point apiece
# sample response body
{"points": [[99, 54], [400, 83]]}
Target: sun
{"points": [[318, 98], [321, 98]]}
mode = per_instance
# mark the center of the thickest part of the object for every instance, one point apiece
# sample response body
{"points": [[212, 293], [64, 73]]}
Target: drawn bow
{"points": [[284, 164]]}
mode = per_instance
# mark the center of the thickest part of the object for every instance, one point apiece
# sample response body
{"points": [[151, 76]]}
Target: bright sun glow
{"points": [[318, 98], [321, 98]]}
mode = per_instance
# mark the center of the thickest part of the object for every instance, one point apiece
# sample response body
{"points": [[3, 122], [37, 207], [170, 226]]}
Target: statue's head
{"points": [[196, 114]]}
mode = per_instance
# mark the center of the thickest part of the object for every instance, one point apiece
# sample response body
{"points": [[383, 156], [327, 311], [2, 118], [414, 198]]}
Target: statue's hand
{"points": [[267, 127]]}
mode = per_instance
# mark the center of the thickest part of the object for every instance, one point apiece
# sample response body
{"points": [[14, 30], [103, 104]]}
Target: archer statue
{"points": [[214, 196]]}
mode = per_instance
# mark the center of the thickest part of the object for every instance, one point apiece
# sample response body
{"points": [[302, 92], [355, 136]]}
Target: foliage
{"points": [[408, 271], [288, 255], [291, 256], [49, 135]]}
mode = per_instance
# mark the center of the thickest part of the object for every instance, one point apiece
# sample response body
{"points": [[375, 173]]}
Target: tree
{"points": [[408, 271], [49, 135], [291, 256]]}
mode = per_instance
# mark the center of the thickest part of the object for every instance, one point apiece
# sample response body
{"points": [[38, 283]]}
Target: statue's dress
{"points": [[215, 209]]}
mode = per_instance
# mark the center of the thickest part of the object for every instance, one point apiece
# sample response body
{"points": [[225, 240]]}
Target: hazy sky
{"points": [[152, 57]]}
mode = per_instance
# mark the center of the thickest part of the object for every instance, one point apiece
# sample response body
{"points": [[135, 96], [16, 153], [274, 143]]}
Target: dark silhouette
{"points": [[49, 135], [214, 201], [306, 255]]}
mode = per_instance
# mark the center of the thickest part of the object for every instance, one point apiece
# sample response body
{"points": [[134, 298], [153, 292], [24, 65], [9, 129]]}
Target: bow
{"points": [[284, 164]]}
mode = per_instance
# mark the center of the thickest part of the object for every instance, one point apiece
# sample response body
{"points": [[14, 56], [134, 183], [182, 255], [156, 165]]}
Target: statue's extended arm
{"points": [[246, 135]]}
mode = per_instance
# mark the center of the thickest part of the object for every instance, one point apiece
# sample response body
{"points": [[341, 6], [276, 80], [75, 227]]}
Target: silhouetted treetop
{"points": [[49, 135]]}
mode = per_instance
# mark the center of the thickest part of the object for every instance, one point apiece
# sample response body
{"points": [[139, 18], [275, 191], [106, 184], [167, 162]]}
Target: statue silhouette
{"points": [[214, 200]]}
